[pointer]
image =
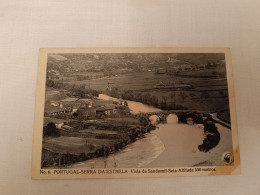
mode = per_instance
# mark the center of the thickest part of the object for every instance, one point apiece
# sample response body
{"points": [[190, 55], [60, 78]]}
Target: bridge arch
{"points": [[162, 116]]}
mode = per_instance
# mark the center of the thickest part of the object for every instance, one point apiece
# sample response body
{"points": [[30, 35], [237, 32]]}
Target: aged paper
{"points": [[134, 112]]}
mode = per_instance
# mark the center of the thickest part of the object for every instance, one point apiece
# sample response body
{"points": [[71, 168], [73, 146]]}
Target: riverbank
{"points": [[75, 146], [136, 154], [180, 142], [170, 145]]}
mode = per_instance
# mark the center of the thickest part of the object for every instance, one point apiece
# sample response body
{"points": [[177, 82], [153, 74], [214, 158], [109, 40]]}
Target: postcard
{"points": [[134, 112]]}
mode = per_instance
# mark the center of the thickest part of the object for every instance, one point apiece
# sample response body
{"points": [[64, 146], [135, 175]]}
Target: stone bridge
{"points": [[183, 115], [162, 115]]}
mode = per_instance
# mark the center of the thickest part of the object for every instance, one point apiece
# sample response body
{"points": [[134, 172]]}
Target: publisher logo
{"points": [[228, 158]]}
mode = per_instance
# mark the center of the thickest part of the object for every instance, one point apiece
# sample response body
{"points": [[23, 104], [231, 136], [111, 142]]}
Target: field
{"points": [[191, 91], [75, 145], [88, 139]]}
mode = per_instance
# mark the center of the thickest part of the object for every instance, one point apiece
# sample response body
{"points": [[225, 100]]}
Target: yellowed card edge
{"points": [[39, 110]]}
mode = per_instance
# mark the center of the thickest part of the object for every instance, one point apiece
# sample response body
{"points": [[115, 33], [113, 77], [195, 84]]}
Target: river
{"points": [[170, 145]]}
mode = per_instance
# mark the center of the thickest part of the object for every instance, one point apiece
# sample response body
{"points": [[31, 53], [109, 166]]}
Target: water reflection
{"points": [[172, 118]]}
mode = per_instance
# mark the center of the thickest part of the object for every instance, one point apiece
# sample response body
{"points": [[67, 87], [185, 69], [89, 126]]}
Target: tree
{"points": [[143, 121], [164, 99], [154, 101], [81, 92], [51, 130], [183, 96], [114, 92], [49, 83], [172, 96], [147, 98], [83, 113], [164, 102]]}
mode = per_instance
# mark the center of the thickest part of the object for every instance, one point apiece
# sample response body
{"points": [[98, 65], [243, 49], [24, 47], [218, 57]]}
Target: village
{"points": [[73, 107], [77, 129]]}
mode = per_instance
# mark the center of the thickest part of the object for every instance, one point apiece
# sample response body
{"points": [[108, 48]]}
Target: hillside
{"points": [[136, 62]]}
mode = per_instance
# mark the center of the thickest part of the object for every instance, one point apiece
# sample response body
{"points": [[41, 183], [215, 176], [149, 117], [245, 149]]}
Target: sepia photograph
{"points": [[135, 112], [132, 97]]}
